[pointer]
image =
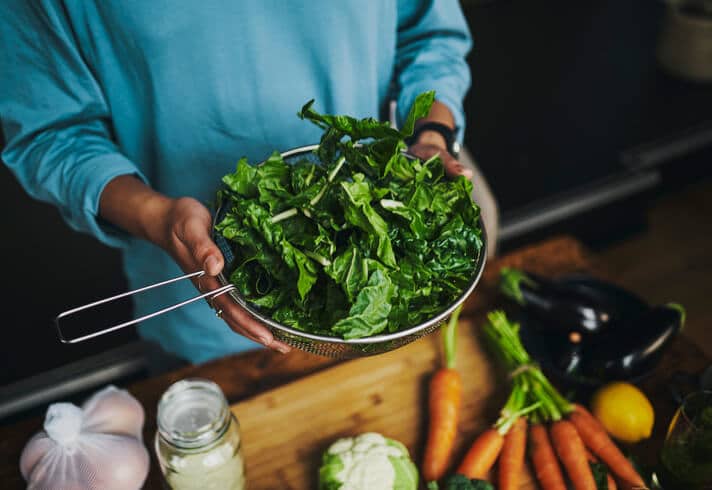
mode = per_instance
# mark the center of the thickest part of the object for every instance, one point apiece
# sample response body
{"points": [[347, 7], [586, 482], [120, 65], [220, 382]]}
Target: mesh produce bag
{"points": [[96, 447]]}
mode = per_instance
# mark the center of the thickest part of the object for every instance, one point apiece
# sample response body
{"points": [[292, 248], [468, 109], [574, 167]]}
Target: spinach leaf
{"points": [[359, 212], [369, 314], [243, 180], [357, 129], [421, 108]]}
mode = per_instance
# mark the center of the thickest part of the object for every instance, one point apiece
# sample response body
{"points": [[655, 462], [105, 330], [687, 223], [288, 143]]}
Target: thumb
{"points": [[453, 167], [196, 238]]}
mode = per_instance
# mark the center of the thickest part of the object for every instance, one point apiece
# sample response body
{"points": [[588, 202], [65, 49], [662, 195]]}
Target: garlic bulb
{"points": [[97, 446]]}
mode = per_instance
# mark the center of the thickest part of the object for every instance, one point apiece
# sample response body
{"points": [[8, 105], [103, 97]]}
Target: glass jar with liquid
{"points": [[198, 438], [687, 453]]}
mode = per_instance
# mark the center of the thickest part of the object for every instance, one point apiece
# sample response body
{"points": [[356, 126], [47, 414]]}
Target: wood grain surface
{"points": [[286, 430], [254, 374]]}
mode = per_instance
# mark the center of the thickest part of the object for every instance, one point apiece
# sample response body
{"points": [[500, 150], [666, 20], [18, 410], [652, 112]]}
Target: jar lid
{"points": [[193, 413]]}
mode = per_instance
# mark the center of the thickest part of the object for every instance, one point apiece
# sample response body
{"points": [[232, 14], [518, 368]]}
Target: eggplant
{"points": [[568, 357], [559, 307], [632, 351]]}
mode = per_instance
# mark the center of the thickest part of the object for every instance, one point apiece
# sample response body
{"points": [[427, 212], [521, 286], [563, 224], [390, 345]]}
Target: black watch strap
{"points": [[447, 133]]}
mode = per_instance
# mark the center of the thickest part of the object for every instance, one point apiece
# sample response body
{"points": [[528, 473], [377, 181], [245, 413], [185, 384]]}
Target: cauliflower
{"points": [[367, 462]]}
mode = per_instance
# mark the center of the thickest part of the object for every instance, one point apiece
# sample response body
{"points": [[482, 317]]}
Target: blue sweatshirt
{"points": [[175, 91]]}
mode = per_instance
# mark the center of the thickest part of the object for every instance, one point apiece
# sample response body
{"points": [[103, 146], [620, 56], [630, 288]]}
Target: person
{"points": [[125, 115]]}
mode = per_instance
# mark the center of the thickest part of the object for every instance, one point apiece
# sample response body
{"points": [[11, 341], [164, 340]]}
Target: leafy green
{"points": [[370, 240], [600, 475], [460, 482]]}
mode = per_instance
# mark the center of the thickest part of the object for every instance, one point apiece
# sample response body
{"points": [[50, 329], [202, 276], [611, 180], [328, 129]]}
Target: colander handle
{"points": [[210, 294]]}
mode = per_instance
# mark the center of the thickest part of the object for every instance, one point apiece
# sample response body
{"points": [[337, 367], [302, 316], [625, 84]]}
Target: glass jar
{"points": [[687, 453], [198, 438]]}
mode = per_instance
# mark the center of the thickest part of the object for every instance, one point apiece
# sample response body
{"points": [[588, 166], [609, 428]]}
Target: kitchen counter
{"points": [[245, 375]]}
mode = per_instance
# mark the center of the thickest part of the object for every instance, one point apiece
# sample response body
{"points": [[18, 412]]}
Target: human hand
{"points": [[431, 143], [183, 230]]}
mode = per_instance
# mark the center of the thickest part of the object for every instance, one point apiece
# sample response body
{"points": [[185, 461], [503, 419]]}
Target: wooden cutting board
{"points": [[286, 430]]}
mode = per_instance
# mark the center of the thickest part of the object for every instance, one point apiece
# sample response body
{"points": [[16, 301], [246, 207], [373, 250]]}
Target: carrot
{"points": [[597, 440], [444, 405], [593, 459], [546, 467], [482, 454], [511, 460], [572, 453]]}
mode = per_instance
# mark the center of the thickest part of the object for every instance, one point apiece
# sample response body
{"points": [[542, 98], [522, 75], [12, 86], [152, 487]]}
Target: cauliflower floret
{"points": [[367, 462]]}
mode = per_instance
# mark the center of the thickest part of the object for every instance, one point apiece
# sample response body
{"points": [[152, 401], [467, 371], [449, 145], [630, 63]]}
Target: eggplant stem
{"points": [[511, 281], [681, 310]]}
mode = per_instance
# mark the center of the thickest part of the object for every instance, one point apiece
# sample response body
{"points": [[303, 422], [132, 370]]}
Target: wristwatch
{"points": [[448, 133]]}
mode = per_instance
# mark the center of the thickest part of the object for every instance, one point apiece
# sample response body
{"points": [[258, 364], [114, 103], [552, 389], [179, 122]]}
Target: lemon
{"points": [[624, 411]]}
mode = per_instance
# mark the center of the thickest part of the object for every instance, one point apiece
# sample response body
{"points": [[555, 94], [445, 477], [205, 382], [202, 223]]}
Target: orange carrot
{"points": [[444, 405], [511, 460], [482, 454], [572, 453], [546, 467], [593, 459], [597, 440]]}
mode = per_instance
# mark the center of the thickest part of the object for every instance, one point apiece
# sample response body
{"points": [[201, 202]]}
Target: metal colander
{"points": [[316, 344], [334, 346]]}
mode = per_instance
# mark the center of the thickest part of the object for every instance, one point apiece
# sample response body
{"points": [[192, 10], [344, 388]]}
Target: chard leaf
{"points": [[273, 233], [400, 168], [356, 129], [412, 216], [272, 180], [369, 314], [419, 109], [242, 181], [360, 213]]}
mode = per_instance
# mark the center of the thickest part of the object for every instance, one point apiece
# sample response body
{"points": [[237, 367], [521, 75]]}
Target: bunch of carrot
{"points": [[536, 419]]}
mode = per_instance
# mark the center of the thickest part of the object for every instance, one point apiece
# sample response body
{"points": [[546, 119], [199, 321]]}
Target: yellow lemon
{"points": [[624, 411]]}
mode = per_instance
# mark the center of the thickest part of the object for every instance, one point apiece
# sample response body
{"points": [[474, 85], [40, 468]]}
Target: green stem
{"points": [[506, 424], [511, 281], [339, 164], [450, 338], [530, 387], [293, 211], [284, 215], [431, 159], [319, 258], [681, 310]]}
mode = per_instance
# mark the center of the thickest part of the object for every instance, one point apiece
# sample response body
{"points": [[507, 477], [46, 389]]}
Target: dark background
{"points": [[567, 107]]}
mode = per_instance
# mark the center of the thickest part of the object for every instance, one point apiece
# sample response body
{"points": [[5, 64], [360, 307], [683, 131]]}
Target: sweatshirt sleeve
{"points": [[55, 119], [433, 41]]}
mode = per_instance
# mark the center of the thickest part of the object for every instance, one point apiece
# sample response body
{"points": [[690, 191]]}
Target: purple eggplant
{"points": [[590, 331], [636, 349], [574, 304]]}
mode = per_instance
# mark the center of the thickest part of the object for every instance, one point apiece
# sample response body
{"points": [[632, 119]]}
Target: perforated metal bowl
{"points": [[334, 346]]}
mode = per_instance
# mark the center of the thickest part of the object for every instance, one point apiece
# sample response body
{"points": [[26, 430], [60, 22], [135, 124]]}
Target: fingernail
{"points": [[211, 265], [283, 349]]}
